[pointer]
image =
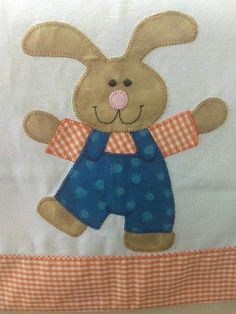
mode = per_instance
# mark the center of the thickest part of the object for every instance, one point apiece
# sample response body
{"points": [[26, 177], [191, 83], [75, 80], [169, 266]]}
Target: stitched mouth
{"points": [[118, 114], [135, 120], [102, 121]]}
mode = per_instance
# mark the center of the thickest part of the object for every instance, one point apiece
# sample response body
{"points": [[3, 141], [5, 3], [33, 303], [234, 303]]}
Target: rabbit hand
{"points": [[210, 114], [40, 125]]}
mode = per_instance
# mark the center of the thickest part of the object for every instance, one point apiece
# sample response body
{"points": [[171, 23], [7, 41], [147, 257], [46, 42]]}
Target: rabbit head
{"points": [[116, 94]]}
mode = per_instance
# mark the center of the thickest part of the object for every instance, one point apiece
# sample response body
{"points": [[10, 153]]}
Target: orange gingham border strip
{"points": [[61, 283]]}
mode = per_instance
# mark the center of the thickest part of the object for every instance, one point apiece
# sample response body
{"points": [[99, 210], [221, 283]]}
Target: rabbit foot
{"points": [[149, 242], [54, 213]]}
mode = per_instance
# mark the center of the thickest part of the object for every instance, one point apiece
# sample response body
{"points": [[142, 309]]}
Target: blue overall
{"points": [[136, 186]]}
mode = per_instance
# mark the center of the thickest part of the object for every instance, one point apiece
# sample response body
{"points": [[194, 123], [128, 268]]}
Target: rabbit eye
{"points": [[112, 83], [127, 82]]}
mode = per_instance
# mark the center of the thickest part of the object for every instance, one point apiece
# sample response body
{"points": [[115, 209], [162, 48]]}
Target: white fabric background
{"points": [[203, 178]]}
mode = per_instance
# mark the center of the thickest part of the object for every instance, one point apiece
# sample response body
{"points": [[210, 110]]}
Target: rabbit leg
{"points": [[54, 213], [149, 242]]}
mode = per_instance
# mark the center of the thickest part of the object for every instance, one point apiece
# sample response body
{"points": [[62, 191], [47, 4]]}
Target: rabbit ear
{"points": [[55, 39], [167, 28]]}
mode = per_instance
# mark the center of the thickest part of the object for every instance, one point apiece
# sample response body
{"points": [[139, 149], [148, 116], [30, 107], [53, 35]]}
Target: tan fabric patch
{"points": [[147, 96], [40, 126], [149, 242], [163, 29], [59, 217], [56, 39], [210, 114]]}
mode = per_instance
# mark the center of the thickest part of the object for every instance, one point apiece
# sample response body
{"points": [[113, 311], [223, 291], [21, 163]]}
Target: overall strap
{"points": [[96, 144], [147, 148]]}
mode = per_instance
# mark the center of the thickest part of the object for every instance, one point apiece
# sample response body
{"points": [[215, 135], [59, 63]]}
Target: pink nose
{"points": [[118, 99]]}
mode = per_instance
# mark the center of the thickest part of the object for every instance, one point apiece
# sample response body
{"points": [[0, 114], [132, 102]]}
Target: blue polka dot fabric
{"points": [[136, 186]]}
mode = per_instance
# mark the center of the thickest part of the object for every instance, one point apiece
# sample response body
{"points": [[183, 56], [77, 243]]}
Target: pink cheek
{"points": [[118, 99]]}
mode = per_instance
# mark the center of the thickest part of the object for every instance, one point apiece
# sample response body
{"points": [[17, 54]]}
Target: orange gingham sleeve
{"points": [[68, 140], [176, 133]]}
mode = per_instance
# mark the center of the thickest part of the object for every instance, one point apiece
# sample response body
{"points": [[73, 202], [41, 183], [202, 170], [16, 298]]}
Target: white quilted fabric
{"points": [[204, 178]]}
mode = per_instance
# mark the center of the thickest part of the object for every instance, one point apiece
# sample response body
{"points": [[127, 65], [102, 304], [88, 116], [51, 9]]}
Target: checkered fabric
{"points": [[50, 283], [68, 140], [172, 135], [121, 143], [175, 134]]}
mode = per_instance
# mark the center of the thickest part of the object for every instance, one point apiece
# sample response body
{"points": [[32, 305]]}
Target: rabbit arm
{"points": [[209, 114], [40, 125], [69, 139], [176, 133]]}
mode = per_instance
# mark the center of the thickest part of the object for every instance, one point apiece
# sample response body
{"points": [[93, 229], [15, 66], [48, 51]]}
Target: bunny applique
{"points": [[118, 149]]}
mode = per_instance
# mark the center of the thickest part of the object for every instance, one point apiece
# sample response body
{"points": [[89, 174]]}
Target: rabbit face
{"points": [[119, 95]]}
